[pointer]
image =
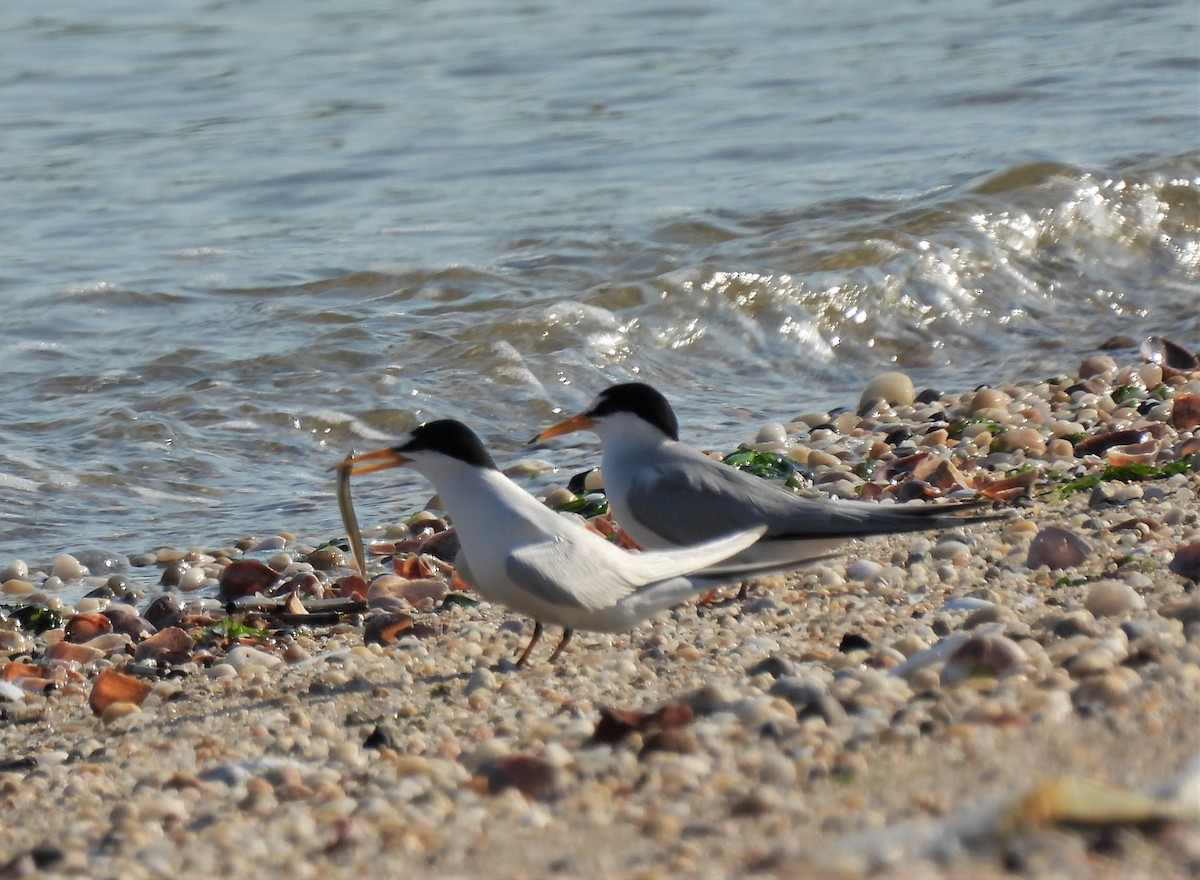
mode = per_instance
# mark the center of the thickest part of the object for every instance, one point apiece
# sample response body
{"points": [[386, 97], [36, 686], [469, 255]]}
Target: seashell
{"points": [[947, 477], [85, 627], [987, 654], [245, 578], [68, 652], [1186, 562], [116, 687], [170, 645], [1088, 802], [1168, 355], [352, 586], [413, 567], [1185, 411], [1098, 444], [385, 628], [1007, 488], [1057, 547], [1137, 453], [536, 778], [1188, 447], [911, 490], [616, 724]]}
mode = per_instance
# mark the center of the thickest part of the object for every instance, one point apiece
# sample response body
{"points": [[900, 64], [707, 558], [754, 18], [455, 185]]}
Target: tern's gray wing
{"points": [[554, 572], [691, 500]]}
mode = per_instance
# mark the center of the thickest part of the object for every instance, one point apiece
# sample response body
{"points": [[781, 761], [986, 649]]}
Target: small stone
{"points": [[171, 645], [326, 558], [773, 432], [1185, 563], [1112, 599], [192, 579], [245, 578], [1106, 689], [1185, 411], [69, 568], [116, 711], [243, 657], [15, 570], [896, 388], [82, 628], [863, 569], [533, 777], [1096, 365]]}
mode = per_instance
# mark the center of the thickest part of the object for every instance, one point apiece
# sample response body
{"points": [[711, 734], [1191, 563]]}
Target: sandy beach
{"points": [[1010, 698]]}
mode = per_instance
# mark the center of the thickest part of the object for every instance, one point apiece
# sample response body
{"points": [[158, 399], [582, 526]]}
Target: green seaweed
{"points": [[587, 505], [768, 465], [33, 617], [231, 629], [1123, 393], [1128, 473]]}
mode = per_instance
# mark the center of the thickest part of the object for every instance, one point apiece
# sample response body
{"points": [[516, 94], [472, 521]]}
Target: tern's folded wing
{"points": [[556, 573]]}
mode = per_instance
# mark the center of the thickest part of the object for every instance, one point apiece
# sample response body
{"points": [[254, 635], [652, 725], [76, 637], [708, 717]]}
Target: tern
{"points": [[520, 553], [665, 494]]}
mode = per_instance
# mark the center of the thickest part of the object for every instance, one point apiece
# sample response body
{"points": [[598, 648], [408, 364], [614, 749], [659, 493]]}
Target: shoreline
{"points": [[935, 704]]}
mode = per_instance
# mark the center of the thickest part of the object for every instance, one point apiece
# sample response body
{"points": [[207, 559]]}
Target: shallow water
{"points": [[244, 238]]}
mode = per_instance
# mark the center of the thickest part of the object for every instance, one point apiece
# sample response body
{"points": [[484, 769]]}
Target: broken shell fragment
{"points": [[116, 687]]}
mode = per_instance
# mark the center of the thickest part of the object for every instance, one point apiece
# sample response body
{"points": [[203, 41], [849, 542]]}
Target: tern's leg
{"points": [[567, 633], [744, 590], [537, 634]]}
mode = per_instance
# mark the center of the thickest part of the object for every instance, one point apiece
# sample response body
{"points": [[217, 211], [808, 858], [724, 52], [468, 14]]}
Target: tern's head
{"points": [[433, 444], [632, 406]]}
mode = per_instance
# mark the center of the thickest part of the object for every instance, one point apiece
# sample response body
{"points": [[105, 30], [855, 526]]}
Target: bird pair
{"points": [[702, 522]]}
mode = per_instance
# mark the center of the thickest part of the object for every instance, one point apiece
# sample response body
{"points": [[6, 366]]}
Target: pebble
{"points": [[68, 568], [15, 570], [1113, 599], [244, 658], [895, 388]]}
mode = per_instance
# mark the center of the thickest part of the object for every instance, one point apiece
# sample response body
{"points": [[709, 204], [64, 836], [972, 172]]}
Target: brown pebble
{"points": [[1186, 562], [85, 627], [245, 578], [534, 777], [677, 740], [129, 624], [171, 645], [1057, 547], [1185, 411], [326, 558], [1095, 365], [116, 687]]}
